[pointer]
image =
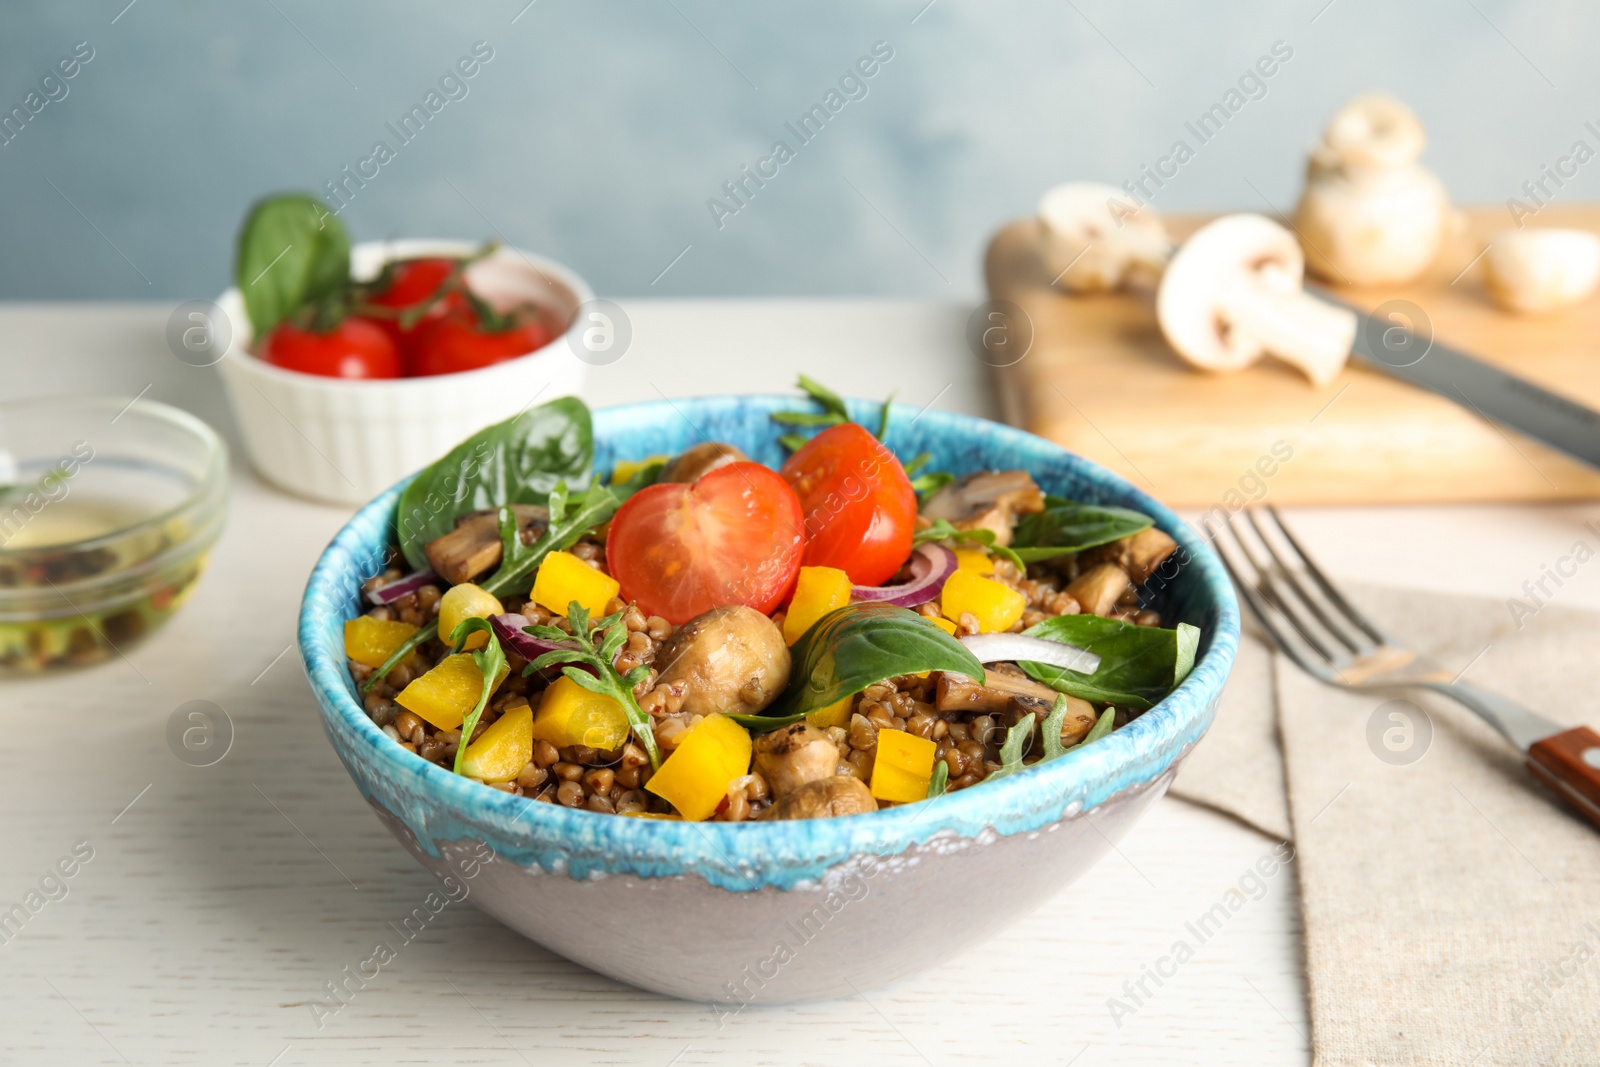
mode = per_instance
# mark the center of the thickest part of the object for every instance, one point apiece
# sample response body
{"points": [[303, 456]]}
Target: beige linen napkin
{"points": [[1451, 907]]}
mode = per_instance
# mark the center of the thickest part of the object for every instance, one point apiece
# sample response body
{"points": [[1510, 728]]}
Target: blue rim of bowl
{"points": [[439, 806]]}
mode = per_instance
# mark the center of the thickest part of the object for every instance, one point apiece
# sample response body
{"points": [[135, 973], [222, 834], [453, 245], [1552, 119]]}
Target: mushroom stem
{"points": [[1289, 323]]}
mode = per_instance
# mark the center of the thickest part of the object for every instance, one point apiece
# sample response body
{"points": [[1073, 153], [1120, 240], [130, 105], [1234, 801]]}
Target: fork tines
{"points": [[1308, 618]]}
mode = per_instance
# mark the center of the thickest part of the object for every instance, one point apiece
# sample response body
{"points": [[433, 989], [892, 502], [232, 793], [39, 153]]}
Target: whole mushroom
{"points": [[1094, 241], [1534, 271], [1370, 213], [793, 756], [1232, 294], [842, 794], [730, 660], [698, 460]]}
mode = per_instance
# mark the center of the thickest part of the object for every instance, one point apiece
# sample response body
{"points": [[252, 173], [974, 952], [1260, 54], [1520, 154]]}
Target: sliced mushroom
{"points": [[1232, 294], [986, 500], [1534, 271], [1138, 554], [730, 660], [841, 794], [1370, 213], [790, 757], [1100, 587], [474, 545], [1001, 690], [1094, 241], [699, 460]]}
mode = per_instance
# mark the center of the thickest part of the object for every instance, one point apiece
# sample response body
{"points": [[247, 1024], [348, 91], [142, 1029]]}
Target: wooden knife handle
{"points": [[1569, 763]]}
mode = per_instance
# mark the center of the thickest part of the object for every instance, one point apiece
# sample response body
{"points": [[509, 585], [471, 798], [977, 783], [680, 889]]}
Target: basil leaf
{"points": [[765, 724], [1138, 664], [292, 251], [1064, 527], [518, 461], [854, 646]]}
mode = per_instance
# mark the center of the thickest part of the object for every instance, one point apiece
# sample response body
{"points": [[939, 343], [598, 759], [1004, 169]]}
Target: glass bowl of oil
{"points": [[108, 511]]}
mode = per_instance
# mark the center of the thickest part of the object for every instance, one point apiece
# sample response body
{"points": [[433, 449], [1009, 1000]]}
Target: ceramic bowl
{"points": [[344, 441], [764, 913]]}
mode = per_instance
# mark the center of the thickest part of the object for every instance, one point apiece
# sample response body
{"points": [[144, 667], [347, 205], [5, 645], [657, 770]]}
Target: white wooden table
{"points": [[220, 900]]}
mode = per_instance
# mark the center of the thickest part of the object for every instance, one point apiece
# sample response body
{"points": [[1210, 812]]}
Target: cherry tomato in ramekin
{"points": [[356, 348], [456, 342]]}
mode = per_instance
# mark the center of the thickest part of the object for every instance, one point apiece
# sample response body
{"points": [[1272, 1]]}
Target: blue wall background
{"points": [[599, 130]]}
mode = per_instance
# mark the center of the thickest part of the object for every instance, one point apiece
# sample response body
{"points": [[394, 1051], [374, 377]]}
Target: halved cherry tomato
{"points": [[413, 282], [733, 537], [356, 348], [860, 509], [456, 342]]}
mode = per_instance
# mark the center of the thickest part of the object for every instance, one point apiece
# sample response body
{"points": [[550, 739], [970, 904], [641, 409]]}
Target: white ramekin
{"points": [[346, 441]]}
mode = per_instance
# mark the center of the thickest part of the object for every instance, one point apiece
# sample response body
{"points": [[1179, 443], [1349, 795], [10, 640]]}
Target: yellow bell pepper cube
{"points": [[563, 578], [651, 815], [835, 714], [944, 624], [975, 560], [445, 694], [571, 715], [903, 766], [996, 606], [370, 641], [627, 468], [817, 591], [501, 752], [695, 778]]}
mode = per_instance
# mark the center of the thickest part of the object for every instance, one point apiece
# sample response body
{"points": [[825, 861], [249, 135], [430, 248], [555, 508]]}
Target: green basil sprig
{"points": [[518, 461], [1138, 664], [490, 660], [1065, 526], [857, 645], [292, 252]]}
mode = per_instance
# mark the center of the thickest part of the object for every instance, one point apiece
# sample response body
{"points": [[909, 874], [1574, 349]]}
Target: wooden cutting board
{"points": [[1100, 380]]}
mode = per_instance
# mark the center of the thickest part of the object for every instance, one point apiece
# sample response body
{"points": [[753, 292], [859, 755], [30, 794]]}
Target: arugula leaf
{"points": [[1013, 748], [941, 530], [806, 418], [518, 461], [930, 483], [599, 656], [854, 646], [1064, 527], [292, 252], [598, 505], [1102, 726], [1138, 664], [940, 780], [1051, 728], [490, 660], [829, 399], [883, 417], [792, 441], [917, 462]]}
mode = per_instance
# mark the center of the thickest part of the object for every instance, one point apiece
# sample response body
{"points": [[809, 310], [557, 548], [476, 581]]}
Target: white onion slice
{"points": [[1014, 648]]}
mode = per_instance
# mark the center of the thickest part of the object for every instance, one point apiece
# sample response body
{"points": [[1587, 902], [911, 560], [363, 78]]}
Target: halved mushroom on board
{"points": [[986, 500], [1536, 271], [1094, 241], [1232, 294], [474, 547]]}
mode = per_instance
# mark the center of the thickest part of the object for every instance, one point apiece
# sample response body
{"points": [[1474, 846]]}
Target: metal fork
{"points": [[1314, 624]]}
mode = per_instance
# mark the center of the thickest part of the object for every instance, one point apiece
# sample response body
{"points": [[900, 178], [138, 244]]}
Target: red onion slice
{"points": [[388, 594], [1014, 648], [931, 566], [509, 629]]}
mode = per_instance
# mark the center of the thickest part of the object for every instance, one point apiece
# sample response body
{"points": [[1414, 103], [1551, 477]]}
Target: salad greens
{"points": [[292, 252], [518, 461], [1014, 748], [857, 645], [1138, 664], [491, 659], [1066, 526], [1051, 729], [940, 781], [599, 643], [941, 530], [519, 561]]}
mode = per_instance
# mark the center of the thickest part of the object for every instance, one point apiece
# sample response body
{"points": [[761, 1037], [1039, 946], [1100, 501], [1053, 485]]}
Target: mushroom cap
{"points": [[1373, 131], [1541, 270], [1093, 236], [1218, 256], [1378, 227]]}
